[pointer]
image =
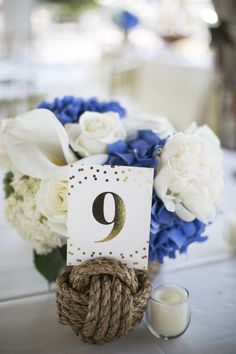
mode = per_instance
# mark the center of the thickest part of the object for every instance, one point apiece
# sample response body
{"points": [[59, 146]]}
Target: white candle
{"points": [[168, 312]]}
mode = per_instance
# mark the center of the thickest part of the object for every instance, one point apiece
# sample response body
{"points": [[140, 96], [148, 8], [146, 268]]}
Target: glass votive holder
{"points": [[168, 311]]}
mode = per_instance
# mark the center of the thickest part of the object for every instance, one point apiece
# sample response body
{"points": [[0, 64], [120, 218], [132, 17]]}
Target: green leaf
{"points": [[51, 264], [7, 180]]}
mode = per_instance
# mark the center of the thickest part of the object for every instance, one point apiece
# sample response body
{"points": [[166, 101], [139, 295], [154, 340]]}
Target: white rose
{"points": [[190, 177], [52, 202], [94, 132]]}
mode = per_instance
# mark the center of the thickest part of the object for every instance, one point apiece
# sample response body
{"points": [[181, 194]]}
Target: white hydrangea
{"points": [[22, 213]]}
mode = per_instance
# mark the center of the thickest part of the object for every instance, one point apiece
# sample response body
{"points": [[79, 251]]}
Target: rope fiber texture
{"points": [[102, 299]]}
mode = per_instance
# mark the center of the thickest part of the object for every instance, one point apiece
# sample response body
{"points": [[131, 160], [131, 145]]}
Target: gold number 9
{"points": [[119, 216]]}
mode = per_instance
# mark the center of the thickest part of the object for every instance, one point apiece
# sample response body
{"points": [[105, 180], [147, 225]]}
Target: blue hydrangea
{"points": [[126, 20], [69, 109], [140, 152], [170, 234]]}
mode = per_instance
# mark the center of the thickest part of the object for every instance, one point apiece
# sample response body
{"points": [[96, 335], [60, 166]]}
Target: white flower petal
{"points": [[169, 203], [38, 144], [183, 213], [52, 202], [100, 159], [73, 130], [58, 228], [191, 174], [87, 146], [161, 182], [192, 128]]}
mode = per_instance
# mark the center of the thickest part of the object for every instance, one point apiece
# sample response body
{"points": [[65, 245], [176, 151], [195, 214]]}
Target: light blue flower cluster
{"points": [[69, 109]]}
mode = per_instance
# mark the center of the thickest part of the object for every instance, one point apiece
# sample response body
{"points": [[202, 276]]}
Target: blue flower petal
{"points": [[169, 234], [189, 229], [128, 158], [118, 147], [150, 137], [150, 163], [164, 217], [126, 20], [140, 145], [69, 109], [177, 237]]}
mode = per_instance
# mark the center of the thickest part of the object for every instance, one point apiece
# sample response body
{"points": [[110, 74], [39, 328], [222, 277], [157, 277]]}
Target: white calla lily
{"points": [[38, 145], [99, 159]]}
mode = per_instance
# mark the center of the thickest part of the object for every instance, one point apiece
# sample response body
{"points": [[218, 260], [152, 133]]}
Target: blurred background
{"points": [[174, 58], [171, 58]]}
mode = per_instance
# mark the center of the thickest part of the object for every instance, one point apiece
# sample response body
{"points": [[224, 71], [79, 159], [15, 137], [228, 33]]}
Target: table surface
{"points": [[28, 321], [29, 325]]}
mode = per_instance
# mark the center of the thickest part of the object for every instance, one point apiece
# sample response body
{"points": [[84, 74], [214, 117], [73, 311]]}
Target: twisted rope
{"points": [[102, 299]]}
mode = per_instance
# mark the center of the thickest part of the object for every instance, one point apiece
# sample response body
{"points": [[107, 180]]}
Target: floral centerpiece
{"points": [[37, 147]]}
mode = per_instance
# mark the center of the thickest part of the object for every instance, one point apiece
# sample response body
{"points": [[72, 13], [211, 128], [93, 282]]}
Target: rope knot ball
{"points": [[102, 299]]}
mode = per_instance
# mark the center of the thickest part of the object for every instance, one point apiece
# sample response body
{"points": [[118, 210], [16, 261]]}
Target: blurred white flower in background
{"points": [[189, 179]]}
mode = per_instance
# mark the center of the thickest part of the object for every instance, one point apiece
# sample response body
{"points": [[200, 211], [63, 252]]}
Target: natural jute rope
{"points": [[102, 299]]}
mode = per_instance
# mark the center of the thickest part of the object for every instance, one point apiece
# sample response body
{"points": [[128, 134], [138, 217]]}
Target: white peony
{"points": [[22, 213], [190, 178], [52, 202], [94, 132]]}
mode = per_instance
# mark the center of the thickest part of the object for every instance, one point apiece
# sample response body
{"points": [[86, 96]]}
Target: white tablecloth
{"points": [[30, 325]]}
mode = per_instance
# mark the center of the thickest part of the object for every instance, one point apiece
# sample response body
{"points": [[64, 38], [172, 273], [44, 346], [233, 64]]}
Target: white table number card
{"points": [[109, 211]]}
